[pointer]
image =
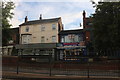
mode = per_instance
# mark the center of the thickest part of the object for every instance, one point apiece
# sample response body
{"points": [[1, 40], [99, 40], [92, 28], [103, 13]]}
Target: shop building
{"points": [[38, 38], [47, 37], [71, 46]]}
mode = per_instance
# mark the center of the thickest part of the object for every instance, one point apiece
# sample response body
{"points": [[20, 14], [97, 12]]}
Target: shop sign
{"points": [[71, 44]]}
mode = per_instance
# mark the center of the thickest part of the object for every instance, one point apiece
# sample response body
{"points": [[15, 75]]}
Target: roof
{"points": [[77, 31], [40, 21], [17, 28], [14, 30]]}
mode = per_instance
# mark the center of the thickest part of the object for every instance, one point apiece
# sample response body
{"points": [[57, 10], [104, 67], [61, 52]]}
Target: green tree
{"points": [[6, 15], [106, 24]]}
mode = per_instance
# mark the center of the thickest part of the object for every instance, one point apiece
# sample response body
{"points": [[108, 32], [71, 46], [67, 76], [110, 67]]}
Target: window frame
{"points": [[53, 26], [27, 29], [54, 38], [42, 39], [42, 28]]}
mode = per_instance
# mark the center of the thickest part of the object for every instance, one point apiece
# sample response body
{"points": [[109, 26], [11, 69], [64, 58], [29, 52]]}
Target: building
{"points": [[71, 36], [88, 32], [14, 36], [46, 37], [71, 46], [40, 31], [39, 37], [8, 49], [87, 26]]}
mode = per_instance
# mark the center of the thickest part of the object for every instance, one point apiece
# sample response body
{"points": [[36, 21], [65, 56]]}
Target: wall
{"points": [[6, 50], [36, 32]]}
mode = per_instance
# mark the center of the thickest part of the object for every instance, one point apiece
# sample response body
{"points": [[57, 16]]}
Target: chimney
{"points": [[84, 19], [80, 25], [26, 19], [40, 16], [84, 14]]}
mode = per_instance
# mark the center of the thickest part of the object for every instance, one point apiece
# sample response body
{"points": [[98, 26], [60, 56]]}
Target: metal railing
{"points": [[82, 66]]}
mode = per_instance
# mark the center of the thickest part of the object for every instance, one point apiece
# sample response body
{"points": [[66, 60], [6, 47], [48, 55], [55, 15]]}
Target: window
{"points": [[53, 38], [27, 29], [42, 28], [53, 27], [80, 38], [26, 39], [90, 24], [62, 39], [42, 39], [71, 37]]}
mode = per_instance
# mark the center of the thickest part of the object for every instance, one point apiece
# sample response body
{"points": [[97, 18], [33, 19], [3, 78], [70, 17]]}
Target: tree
{"points": [[6, 15], [106, 24]]}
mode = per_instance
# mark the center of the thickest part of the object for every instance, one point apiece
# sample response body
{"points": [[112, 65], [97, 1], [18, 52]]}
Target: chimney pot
{"points": [[26, 19], [40, 16]]}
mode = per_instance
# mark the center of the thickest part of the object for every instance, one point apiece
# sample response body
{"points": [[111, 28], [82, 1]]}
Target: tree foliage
{"points": [[6, 16], [106, 24]]}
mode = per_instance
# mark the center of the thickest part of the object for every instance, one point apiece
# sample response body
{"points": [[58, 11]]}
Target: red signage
{"points": [[65, 44], [82, 43]]}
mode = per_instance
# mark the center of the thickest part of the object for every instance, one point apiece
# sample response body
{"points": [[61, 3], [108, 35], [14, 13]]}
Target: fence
{"points": [[84, 67]]}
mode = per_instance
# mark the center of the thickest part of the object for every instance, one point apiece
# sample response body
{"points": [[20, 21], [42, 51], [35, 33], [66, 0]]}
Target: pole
{"points": [[18, 63], [88, 68], [88, 60], [50, 63]]}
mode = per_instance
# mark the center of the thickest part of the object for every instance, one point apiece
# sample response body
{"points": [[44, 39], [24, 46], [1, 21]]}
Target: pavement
{"points": [[64, 72], [30, 76]]}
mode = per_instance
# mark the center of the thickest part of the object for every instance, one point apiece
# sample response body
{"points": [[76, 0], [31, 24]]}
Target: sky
{"points": [[69, 10]]}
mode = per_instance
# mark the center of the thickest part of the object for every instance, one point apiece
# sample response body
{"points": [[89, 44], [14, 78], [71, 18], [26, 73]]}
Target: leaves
{"points": [[6, 14], [106, 23]]}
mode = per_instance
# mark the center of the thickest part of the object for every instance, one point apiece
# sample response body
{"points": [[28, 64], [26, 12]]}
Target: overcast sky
{"points": [[69, 10]]}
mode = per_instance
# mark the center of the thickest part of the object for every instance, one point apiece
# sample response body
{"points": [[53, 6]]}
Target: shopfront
{"points": [[70, 51], [37, 52]]}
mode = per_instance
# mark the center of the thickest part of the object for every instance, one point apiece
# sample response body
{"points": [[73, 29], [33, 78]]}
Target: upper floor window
{"points": [[71, 38], [53, 38], [27, 29], [80, 38], [42, 39], [53, 27], [42, 28], [62, 39], [26, 39]]}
